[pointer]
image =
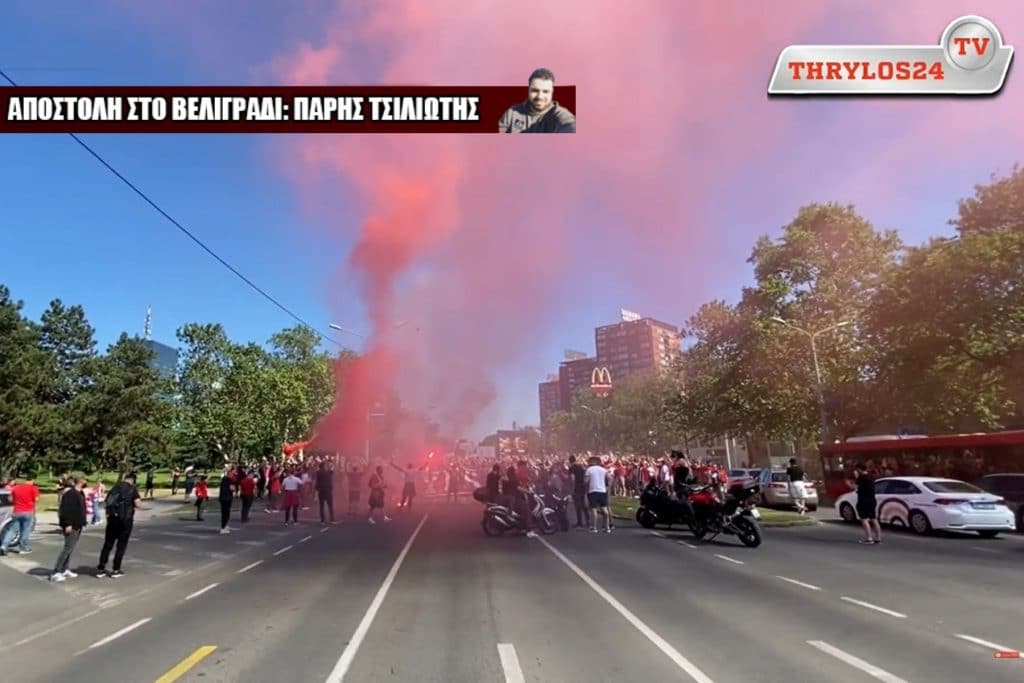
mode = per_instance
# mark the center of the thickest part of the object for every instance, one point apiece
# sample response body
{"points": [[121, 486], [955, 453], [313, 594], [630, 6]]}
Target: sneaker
{"points": [[25, 552], [531, 534], [593, 530], [116, 574], [102, 574], [608, 531], [372, 520], [866, 541], [225, 530], [68, 574], [56, 578], [386, 518]]}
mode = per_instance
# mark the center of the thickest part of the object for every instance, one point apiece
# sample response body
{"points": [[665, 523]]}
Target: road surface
{"points": [[430, 598]]}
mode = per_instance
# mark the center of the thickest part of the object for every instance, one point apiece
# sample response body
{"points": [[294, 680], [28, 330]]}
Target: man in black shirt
{"points": [[325, 491], [494, 484], [867, 505], [122, 501], [797, 487], [71, 520], [579, 493]]}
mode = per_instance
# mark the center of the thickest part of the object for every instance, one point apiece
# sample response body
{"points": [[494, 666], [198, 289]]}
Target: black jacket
{"points": [[72, 510]]}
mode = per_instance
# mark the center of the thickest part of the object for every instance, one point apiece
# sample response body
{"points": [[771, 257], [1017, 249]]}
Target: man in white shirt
{"points": [[292, 486], [596, 478]]}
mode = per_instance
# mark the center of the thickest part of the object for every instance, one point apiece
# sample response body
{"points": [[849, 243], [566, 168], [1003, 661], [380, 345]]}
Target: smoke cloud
{"points": [[481, 243]]}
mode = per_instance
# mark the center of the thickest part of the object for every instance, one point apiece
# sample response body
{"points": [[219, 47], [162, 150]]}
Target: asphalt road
{"points": [[430, 598]]}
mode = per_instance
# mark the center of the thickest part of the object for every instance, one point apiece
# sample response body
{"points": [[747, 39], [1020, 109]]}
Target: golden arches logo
{"points": [[601, 377]]}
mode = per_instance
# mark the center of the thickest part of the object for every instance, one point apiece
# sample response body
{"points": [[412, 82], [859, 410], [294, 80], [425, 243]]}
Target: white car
{"points": [[932, 503]]}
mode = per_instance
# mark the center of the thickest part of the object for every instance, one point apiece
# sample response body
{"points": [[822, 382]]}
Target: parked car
{"points": [[1009, 487], [775, 490], [744, 475], [6, 516], [924, 504]]}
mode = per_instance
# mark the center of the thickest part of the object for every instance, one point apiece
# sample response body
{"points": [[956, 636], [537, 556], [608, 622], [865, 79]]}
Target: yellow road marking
{"points": [[186, 664]]}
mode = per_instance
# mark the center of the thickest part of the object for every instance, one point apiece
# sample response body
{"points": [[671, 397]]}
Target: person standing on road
{"points": [[325, 491], [99, 493], [579, 492], [24, 497], [797, 487], [202, 493], [378, 487], [225, 496], [122, 501], [71, 519], [292, 487], [867, 505], [190, 482], [150, 475], [355, 483], [494, 484], [247, 491], [597, 494]]}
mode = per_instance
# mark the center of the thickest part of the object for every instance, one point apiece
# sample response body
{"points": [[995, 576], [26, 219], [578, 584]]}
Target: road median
{"points": [[625, 508]]}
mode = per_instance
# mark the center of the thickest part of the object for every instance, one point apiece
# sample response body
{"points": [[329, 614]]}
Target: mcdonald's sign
{"points": [[601, 377]]}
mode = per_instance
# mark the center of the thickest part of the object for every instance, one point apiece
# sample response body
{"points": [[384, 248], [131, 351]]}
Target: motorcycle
{"points": [[658, 507], [559, 504], [737, 515], [500, 518]]}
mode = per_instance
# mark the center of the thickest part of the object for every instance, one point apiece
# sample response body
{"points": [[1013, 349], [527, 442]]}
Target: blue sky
{"points": [[73, 231]]}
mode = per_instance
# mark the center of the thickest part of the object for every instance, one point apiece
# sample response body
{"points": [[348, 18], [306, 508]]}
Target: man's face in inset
{"points": [[541, 92]]}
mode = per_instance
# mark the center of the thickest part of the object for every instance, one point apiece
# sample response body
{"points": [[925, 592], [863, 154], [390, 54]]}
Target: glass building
{"points": [[165, 358]]}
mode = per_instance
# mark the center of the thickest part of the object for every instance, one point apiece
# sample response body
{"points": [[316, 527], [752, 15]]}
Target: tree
{"points": [[302, 382], [23, 368], [998, 205], [128, 399]]}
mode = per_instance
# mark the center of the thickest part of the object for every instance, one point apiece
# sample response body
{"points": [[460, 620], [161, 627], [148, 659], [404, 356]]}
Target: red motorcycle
{"points": [[734, 513]]}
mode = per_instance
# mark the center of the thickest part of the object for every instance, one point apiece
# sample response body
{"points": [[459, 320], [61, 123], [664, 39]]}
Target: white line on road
{"points": [[677, 658], [984, 643], [249, 566], [658, 534], [118, 634], [856, 662], [337, 675], [883, 610], [201, 591], [325, 529], [688, 545], [510, 663], [283, 550], [307, 538], [798, 583], [727, 559], [984, 550]]}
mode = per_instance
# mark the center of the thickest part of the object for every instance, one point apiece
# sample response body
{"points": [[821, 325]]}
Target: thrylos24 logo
{"points": [[970, 59]]}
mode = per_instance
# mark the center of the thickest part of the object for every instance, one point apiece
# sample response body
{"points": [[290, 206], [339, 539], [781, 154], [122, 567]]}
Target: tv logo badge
{"points": [[970, 59]]}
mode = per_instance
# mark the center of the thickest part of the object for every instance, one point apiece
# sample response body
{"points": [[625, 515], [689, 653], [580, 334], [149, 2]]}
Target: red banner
{"points": [[279, 109]]}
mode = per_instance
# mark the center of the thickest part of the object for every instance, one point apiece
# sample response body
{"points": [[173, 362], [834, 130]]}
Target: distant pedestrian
{"points": [[355, 481], [71, 519], [202, 494], [867, 504], [190, 482], [175, 478], [150, 477], [225, 496], [408, 488], [597, 494], [24, 498], [797, 487], [99, 492], [325, 491], [378, 488], [247, 492], [122, 501], [577, 474], [292, 487]]}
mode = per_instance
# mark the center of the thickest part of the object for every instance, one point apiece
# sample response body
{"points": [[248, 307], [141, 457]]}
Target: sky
{"points": [[509, 250]]}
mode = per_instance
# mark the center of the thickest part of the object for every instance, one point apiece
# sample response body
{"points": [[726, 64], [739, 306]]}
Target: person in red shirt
{"points": [[202, 493], [24, 497], [247, 492]]}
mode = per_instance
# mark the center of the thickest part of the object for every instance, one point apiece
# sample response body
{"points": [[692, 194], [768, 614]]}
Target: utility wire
{"points": [[262, 292]]}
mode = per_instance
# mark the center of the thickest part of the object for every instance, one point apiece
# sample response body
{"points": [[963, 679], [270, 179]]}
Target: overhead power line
{"points": [[188, 233]]}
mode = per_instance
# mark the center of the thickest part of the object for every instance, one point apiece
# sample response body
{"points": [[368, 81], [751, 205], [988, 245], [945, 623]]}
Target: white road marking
{"points": [[984, 550], [249, 566], [283, 550], [325, 529], [307, 538], [252, 543], [174, 572], [658, 534], [688, 545], [118, 634], [883, 610], [727, 559], [677, 658], [856, 662], [201, 591], [984, 643], [510, 663], [172, 548], [798, 583], [348, 654]]}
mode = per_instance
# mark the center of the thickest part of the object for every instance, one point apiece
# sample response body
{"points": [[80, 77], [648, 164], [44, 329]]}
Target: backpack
{"points": [[118, 504]]}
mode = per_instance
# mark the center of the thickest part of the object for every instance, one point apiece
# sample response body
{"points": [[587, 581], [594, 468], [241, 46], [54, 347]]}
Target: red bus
{"points": [[967, 457]]}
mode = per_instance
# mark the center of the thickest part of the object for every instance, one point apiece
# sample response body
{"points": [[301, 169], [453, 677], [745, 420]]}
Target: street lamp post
{"points": [[366, 452], [813, 336]]}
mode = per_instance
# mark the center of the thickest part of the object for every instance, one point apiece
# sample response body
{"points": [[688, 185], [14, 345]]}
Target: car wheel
{"points": [[988, 534], [847, 513], [919, 522]]}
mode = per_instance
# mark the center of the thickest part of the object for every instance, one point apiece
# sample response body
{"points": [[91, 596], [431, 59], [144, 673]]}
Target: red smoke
{"points": [[479, 242]]}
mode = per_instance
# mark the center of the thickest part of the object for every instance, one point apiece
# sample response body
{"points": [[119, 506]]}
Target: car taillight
{"points": [[949, 501]]}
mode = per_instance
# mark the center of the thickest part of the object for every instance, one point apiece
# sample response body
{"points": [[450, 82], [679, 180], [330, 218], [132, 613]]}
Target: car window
{"points": [[901, 487], [737, 473], [780, 476], [951, 486], [883, 486]]}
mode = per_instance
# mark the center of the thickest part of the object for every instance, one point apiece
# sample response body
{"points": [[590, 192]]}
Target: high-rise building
{"points": [[572, 375], [636, 346], [550, 400], [165, 358]]}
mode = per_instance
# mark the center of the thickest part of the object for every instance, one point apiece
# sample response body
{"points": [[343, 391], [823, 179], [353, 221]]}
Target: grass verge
{"points": [[625, 508]]}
